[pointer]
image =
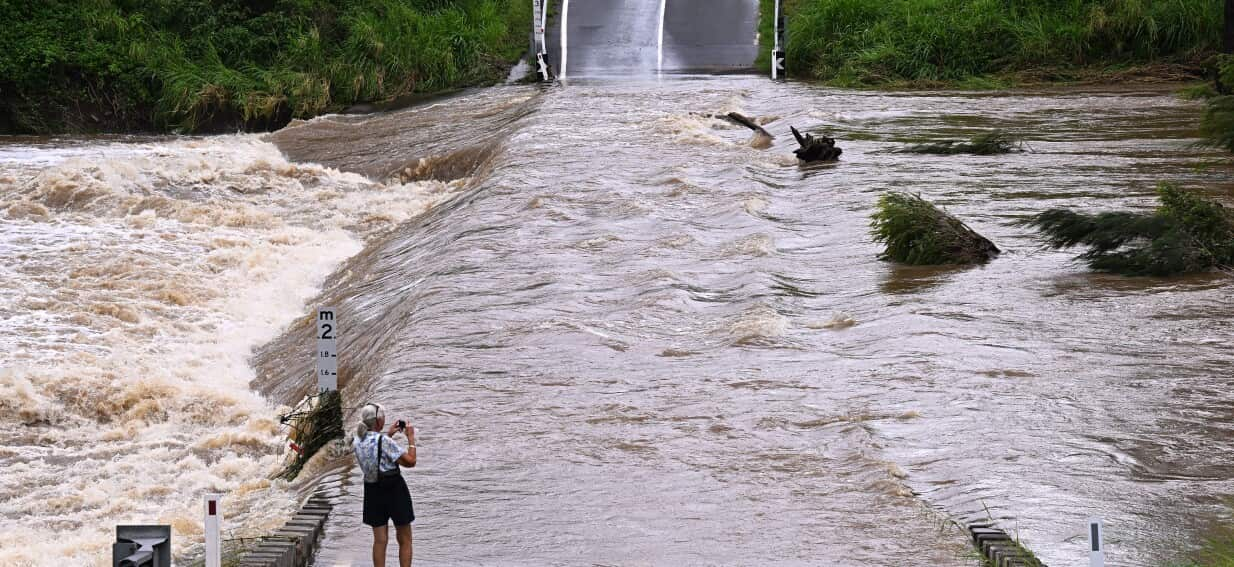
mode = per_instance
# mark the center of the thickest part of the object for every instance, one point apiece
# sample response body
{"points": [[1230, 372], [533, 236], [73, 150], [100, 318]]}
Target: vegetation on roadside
{"points": [[194, 65], [918, 233], [966, 42], [1217, 550], [1187, 233], [1217, 127], [990, 143]]}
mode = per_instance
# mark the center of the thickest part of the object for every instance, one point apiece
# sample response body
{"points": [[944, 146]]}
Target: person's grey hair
{"points": [[369, 414]]}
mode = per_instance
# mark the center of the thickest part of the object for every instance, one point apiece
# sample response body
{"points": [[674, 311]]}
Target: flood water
{"points": [[625, 336]]}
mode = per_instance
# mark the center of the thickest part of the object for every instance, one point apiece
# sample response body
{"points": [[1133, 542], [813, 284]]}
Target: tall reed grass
{"points": [[193, 64], [862, 42]]}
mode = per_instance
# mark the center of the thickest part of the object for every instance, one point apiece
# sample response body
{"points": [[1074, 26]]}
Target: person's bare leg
{"points": [[381, 537], [403, 535]]}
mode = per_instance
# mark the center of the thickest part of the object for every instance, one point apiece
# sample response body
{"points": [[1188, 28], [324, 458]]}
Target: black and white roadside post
{"points": [[1227, 30], [327, 350], [214, 516], [1096, 550], [539, 19], [777, 52]]}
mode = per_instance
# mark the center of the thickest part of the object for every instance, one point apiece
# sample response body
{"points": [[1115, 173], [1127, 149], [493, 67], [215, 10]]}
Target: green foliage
{"points": [[193, 64], [1217, 127], [1216, 551], [990, 143], [1186, 234], [1203, 91], [858, 42], [918, 233]]}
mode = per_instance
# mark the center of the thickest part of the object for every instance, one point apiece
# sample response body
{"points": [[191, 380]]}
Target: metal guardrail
{"points": [[142, 546]]}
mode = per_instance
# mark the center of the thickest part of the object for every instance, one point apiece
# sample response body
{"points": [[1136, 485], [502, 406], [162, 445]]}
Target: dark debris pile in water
{"points": [[1186, 234], [814, 149], [918, 233]]}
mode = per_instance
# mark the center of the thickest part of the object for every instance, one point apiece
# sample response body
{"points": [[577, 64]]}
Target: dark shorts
{"points": [[388, 499]]}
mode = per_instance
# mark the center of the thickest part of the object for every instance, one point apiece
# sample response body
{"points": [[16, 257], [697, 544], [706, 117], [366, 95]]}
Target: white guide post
{"points": [[327, 349], [777, 52], [660, 38], [214, 516], [565, 43], [539, 17], [1096, 549]]}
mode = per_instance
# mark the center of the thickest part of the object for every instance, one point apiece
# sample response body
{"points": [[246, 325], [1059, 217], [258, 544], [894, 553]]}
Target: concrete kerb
{"points": [[304, 541], [999, 549], [293, 544]]}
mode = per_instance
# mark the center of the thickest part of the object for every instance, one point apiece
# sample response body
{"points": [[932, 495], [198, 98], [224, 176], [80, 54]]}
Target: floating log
{"points": [[738, 119]]}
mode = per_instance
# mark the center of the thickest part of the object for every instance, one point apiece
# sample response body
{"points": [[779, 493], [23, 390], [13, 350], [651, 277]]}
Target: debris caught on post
{"points": [[315, 422]]}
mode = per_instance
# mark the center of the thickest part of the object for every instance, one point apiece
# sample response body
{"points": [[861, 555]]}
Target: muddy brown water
{"points": [[639, 340], [626, 337]]}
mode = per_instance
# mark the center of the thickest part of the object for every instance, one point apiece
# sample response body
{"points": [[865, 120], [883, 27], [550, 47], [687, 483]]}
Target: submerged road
{"points": [[607, 37], [635, 338]]}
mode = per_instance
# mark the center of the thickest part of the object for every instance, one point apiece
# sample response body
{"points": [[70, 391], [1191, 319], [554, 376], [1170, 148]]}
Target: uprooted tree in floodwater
{"points": [[918, 233], [1187, 233], [822, 148], [988, 144]]}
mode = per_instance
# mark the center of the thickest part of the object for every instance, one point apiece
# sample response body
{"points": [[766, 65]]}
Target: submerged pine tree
{"points": [[1187, 233], [916, 232], [1218, 125], [988, 144]]}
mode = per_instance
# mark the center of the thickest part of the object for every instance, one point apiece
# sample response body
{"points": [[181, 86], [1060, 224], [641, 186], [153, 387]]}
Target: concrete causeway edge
{"points": [[293, 544], [999, 549]]}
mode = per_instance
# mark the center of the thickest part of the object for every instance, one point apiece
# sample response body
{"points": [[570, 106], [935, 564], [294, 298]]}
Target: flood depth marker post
{"points": [[538, 21], [327, 349], [1096, 553], [777, 52], [214, 552]]}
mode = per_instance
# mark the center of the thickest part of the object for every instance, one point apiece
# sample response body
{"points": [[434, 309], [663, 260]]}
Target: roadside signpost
{"points": [[1096, 551], [777, 52], [327, 349], [539, 18], [214, 516]]}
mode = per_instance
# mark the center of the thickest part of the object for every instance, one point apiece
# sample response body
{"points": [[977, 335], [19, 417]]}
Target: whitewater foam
{"points": [[139, 278]]}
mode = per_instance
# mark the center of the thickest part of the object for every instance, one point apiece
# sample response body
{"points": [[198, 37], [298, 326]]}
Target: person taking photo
{"points": [[386, 497]]}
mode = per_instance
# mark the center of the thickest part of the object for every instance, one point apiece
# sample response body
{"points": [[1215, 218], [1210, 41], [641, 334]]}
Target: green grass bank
{"points": [[983, 43], [210, 65]]}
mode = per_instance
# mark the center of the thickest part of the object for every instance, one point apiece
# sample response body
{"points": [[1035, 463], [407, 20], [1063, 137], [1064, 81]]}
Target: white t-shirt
{"points": [[366, 454]]}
